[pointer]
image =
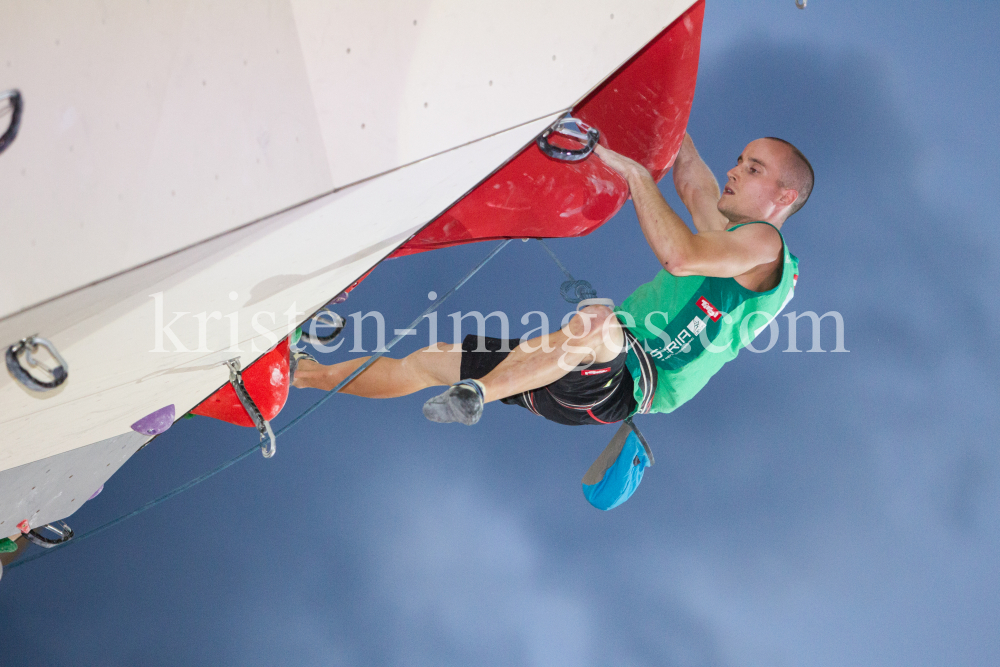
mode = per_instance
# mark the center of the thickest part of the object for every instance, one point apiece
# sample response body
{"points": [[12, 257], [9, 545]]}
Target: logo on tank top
{"points": [[709, 309], [681, 343], [595, 371]]}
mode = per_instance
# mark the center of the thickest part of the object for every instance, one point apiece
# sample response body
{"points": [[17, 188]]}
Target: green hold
{"points": [[296, 335], [7, 546]]}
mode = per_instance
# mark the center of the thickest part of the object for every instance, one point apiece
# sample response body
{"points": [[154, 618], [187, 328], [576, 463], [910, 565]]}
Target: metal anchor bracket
{"points": [[16, 106], [64, 532], [584, 133], [268, 444], [25, 348]]}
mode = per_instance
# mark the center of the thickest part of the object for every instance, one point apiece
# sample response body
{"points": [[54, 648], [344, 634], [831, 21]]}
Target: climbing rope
{"points": [[572, 290], [287, 427]]}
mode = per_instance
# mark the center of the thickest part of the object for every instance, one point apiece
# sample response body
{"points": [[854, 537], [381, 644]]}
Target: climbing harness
{"points": [[13, 96], [25, 348], [577, 291]]}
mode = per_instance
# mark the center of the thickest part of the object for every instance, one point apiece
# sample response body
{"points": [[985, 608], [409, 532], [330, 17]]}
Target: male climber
{"points": [[718, 287]]}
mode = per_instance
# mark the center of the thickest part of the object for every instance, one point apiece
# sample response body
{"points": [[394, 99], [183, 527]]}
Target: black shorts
{"points": [[594, 394]]}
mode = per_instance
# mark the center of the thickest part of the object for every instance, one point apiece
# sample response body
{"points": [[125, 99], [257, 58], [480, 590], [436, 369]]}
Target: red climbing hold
{"points": [[266, 380], [641, 111]]}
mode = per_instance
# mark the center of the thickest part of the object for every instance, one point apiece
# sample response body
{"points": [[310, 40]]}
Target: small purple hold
{"points": [[96, 493], [155, 423]]}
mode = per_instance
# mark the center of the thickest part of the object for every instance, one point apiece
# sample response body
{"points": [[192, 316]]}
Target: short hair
{"points": [[799, 178]]}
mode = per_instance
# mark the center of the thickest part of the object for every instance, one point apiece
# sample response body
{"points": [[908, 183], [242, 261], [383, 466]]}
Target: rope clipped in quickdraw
{"points": [[572, 290]]}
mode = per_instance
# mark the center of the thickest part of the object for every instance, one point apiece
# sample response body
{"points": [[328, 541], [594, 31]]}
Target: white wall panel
{"points": [[303, 256], [152, 126]]}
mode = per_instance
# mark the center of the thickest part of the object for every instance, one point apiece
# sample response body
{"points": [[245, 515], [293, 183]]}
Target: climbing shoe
{"points": [[462, 402]]}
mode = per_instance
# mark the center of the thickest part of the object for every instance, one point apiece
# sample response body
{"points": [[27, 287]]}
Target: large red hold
{"points": [[641, 111], [266, 380]]}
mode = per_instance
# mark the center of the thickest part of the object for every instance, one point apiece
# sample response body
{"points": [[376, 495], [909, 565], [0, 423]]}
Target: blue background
{"points": [[805, 509]]}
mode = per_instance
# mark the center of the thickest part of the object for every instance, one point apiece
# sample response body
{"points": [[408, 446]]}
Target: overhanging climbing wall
{"points": [[641, 111]]}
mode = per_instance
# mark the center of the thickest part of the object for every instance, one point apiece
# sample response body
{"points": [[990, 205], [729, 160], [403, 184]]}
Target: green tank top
{"points": [[691, 325]]}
